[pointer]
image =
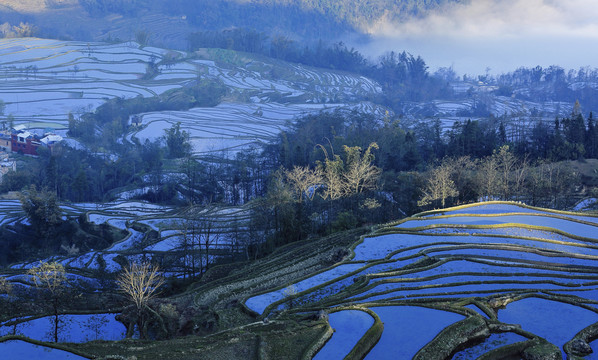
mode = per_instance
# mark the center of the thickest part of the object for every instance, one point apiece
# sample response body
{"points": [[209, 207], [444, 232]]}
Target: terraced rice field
{"points": [[489, 278], [519, 113], [72, 328], [138, 219], [229, 127], [42, 81]]}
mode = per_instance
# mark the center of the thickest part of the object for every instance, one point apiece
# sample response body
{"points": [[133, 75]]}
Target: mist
{"points": [[495, 35]]}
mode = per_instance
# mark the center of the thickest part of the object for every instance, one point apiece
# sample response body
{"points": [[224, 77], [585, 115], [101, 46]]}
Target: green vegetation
{"points": [[284, 339], [369, 339]]}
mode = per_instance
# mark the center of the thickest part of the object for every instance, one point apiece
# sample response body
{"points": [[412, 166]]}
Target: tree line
{"points": [[337, 170]]}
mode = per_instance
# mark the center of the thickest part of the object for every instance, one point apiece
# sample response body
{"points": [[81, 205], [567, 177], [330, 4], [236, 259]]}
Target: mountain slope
{"points": [[171, 22]]}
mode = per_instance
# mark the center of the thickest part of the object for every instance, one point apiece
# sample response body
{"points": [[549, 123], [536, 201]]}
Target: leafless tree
{"points": [[507, 164], [304, 181], [208, 238], [332, 170], [487, 177], [440, 186], [360, 172], [51, 279], [140, 283], [5, 286]]}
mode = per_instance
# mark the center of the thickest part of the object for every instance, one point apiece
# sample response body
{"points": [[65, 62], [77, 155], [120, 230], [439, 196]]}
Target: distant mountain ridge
{"points": [[171, 22]]}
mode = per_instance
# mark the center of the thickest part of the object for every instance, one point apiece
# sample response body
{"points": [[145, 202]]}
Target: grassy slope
{"points": [[286, 339]]}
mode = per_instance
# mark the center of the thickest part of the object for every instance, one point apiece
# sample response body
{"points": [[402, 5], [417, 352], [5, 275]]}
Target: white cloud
{"points": [[501, 34]]}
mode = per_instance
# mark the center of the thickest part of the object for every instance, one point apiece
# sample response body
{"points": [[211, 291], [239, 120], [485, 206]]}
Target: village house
{"points": [[25, 142]]}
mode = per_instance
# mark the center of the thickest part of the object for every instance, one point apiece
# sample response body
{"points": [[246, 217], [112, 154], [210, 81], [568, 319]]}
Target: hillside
{"points": [[171, 24], [489, 279]]}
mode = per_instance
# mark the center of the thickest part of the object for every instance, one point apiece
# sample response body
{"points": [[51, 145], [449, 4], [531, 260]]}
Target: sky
{"points": [[496, 35]]}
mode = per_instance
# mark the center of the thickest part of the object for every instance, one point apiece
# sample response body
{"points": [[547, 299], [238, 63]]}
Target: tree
{"points": [[142, 37], [591, 138], [440, 186], [25, 30], [140, 283], [186, 234], [177, 141], [304, 181], [11, 121], [5, 286], [487, 176], [507, 164], [360, 172], [463, 169], [42, 210], [207, 237], [332, 169], [51, 279], [276, 210]]}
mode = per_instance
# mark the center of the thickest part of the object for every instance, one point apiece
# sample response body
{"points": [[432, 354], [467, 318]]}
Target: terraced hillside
{"points": [[45, 80], [490, 280], [517, 113], [152, 230]]}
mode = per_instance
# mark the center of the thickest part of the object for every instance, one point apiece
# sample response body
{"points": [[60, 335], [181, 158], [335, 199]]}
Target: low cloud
{"points": [[499, 34]]}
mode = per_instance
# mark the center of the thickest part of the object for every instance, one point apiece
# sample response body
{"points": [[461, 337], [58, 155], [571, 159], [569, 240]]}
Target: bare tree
{"points": [[487, 177], [140, 283], [440, 186], [507, 164], [5, 286], [520, 176], [360, 174], [332, 170], [51, 279], [278, 199], [185, 243], [208, 237], [304, 181]]}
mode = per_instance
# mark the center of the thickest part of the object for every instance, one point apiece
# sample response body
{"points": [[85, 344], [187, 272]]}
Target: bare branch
{"points": [[140, 282]]}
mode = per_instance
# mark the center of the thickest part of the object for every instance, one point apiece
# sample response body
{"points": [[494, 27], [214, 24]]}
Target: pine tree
{"points": [[591, 138]]}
